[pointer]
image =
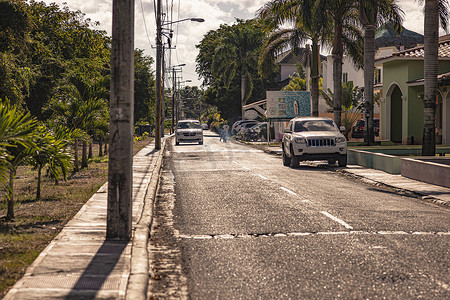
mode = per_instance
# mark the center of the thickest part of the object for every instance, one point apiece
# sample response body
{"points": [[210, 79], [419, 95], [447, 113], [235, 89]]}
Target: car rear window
{"points": [[189, 125]]}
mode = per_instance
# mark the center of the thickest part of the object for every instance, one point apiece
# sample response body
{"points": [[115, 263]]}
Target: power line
{"points": [[145, 24]]}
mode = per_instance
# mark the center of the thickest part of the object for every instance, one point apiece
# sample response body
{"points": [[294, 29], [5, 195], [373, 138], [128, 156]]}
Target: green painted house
{"points": [[402, 92]]}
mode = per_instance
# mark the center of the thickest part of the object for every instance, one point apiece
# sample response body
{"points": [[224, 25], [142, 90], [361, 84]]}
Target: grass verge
{"points": [[37, 222]]}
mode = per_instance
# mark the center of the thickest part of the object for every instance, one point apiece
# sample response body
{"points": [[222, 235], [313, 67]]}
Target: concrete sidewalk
{"points": [[429, 192], [81, 264]]}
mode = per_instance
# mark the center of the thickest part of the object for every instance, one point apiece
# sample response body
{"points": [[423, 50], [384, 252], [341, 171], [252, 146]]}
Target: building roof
{"points": [[288, 57], [418, 53], [444, 77]]}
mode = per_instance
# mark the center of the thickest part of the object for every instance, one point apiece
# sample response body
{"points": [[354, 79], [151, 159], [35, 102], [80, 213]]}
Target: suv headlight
{"points": [[340, 139], [299, 140]]}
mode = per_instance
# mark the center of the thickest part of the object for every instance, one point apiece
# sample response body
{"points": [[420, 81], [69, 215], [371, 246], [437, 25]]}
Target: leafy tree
{"points": [[346, 38], [352, 104], [227, 62], [61, 42], [372, 13], [15, 75], [144, 89], [192, 101], [77, 107], [301, 14]]}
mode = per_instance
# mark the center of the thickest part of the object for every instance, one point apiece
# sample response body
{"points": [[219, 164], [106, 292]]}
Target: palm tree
{"points": [[52, 151], [237, 55], [372, 13], [301, 14], [435, 10], [346, 38], [16, 144], [77, 107]]}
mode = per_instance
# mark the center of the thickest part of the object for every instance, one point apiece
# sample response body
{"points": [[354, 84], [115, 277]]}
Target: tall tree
{"points": [[435, 11], [237, 55], [372, 13], [346, 38], [144, 85], [224, 55], [301, 14]]}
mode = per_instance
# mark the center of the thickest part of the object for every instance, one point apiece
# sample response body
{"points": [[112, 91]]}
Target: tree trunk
{"points": [[100, 145], [337, 54], [337, 83], [431, 43], [315, 63], [369, 69], [243, 83], [90, 155], [106, 147], [76, 168], [38, 190], [10, 212], [84, 157]]}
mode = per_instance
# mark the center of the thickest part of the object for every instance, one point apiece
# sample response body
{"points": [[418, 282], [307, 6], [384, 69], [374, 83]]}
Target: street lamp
{"points": [[200, 20], [159, 90]]}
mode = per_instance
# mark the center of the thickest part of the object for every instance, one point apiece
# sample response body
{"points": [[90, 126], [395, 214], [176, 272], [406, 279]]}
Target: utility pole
{"points": [[120, 165], [174, 88], [163, 97], [158, 76]]}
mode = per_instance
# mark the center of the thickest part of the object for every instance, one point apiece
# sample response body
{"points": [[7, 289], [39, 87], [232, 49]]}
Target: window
{"points": [[344, 77], [377, 76]]}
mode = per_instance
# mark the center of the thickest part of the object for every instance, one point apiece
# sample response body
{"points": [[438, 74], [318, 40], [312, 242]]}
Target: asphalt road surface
{"points": [[231, 222]]}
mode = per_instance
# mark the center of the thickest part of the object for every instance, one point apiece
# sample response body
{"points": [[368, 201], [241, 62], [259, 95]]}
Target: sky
{"points": [[188, 34]]}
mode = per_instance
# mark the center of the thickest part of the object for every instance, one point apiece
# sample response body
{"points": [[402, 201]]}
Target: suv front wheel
{"points": [[295, 161], [342, 161], [286, 159]]}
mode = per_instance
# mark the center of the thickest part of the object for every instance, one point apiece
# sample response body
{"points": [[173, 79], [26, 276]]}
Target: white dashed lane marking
{"points": [[263, 177], [336, 219], [288, 190]]}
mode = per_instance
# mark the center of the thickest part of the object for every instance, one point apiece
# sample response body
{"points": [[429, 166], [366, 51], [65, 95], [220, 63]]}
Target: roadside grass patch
{"points": [[38, 221]]}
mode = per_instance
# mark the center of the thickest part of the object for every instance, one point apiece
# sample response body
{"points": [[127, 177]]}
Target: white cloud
{"points": [[188, 34]]}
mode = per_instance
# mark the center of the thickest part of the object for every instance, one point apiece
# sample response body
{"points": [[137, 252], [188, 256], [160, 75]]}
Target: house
{"points": [[387, 42], [402, 107]]}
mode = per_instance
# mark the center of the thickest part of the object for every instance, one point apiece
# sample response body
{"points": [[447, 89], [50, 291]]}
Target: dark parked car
{"points": [[358, 129]]}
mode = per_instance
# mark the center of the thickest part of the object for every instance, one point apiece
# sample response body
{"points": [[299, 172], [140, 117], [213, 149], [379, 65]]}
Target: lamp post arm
{"points": [[182, 20]]}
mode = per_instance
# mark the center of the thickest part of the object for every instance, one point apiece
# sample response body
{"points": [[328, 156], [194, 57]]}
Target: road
{"points": [[230, 222]]}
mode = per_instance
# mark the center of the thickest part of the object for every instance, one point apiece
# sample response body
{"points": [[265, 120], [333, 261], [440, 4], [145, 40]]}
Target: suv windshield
{"points": [[314, 125], [189, 125]]}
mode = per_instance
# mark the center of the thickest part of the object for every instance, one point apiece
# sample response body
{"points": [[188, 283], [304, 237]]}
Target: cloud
{"points": [[187, 34]]}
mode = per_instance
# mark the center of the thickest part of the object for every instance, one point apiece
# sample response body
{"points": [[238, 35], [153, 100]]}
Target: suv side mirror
{"points": [[287, 130], [342, 128]]}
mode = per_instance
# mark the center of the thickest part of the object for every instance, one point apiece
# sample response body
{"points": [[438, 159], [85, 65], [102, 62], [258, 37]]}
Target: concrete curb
{"points": [[139, 273], [400, 191]]}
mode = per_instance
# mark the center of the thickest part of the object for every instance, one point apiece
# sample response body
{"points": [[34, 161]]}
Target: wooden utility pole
{"points": [[120, 166]]}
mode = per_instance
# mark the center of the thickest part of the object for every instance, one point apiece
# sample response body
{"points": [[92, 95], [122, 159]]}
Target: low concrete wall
{"points": [[426, 171], [379, 161]]}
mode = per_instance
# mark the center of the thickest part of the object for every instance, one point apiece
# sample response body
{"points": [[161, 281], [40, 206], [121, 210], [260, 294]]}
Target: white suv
{"points": [[313, 138], [188, 131]]}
